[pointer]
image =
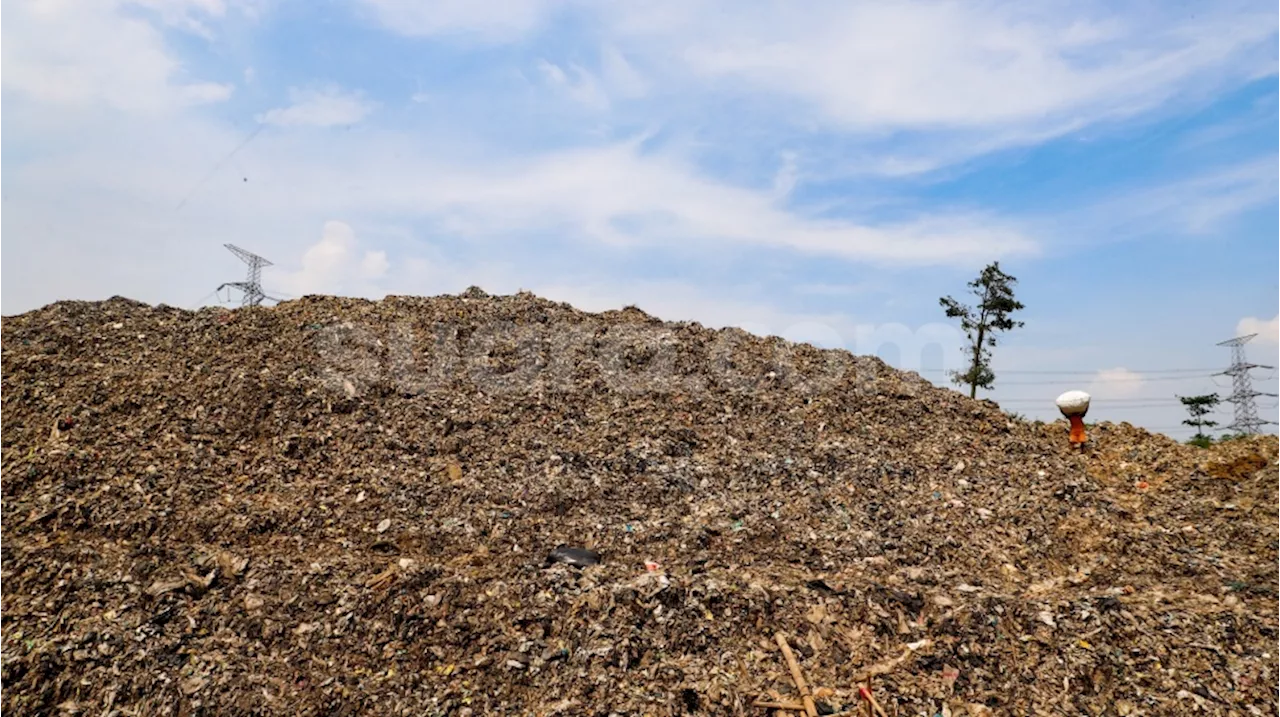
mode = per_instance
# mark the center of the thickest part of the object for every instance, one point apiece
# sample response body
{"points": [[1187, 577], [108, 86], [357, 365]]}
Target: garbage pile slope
{"points": [[339, 506]]}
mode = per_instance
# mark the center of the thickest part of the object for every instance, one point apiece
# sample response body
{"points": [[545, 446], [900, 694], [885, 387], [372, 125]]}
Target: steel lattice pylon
{"points": [[251, 288], [1242, 393]]}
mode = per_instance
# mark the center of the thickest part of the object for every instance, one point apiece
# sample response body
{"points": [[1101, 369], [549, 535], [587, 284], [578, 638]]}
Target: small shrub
{"points": [[1201, 441]]}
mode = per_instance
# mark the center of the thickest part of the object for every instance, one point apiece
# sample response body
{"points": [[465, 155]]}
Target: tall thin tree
{"points": [[982, 322], [1198, 407]]}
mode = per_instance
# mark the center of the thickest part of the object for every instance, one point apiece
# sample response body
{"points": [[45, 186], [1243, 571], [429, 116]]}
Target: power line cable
{"points": [[1133, 399], [1052, 372], [200, 302], [219, 165], [1076, 383]]}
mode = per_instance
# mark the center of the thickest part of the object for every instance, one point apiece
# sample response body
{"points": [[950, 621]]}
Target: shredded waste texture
{"points": [[338, 506]]}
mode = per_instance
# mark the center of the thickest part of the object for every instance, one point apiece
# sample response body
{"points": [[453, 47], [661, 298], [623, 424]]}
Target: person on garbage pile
{"points": [[1074, 405]]}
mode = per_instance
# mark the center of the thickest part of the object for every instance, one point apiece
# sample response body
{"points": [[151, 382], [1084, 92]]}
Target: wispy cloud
{"points": [[193, 16], [619, 195], [578, 84], [925, 84], [964, 65], [320, 107], [205, 92], [1206, 202], [1199, 204], [495, 21]]}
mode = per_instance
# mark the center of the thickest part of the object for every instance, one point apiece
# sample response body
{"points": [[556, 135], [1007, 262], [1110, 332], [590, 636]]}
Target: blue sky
{"points": [[824, 171]]}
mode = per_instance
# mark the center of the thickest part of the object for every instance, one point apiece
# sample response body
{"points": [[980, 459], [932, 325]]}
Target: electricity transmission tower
{"points": [[251, 293], [1242, 393]]}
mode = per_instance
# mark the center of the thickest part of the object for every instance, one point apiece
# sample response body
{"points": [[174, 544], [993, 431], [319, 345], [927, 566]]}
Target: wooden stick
{"points": [[882, 668], [778, 705], [865, 692], [797, 676]]}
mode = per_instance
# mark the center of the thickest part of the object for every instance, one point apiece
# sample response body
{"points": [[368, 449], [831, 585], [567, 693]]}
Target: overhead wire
{"points": [[1052, 372], [1096, 401], [200, 302], [1143, 379], [219, 164]]}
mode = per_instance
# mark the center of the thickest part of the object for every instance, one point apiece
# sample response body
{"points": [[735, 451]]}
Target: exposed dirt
{"points": [[347, 507]]}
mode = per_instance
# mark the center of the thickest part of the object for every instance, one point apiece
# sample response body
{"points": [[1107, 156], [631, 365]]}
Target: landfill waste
{"points": [[577, 557], [338, 506]]}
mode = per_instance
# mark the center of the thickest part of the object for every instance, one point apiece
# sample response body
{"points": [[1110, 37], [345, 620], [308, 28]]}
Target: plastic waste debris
{"points": [[577, 557]]}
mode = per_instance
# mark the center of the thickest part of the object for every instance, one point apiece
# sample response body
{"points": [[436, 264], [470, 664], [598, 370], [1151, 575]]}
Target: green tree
{"points": [[1199, 407], [982, 322]]}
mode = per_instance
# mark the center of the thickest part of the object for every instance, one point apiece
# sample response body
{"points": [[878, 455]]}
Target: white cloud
{"points": [[176, 11], [614, 195], [957, 64], [928, 83], [1222, 195], [788, 174], [206, 92], [77, 54], [1200, 204], [493, 21], [319, 107], [188, 15], [1268, 331], [615, 79], [621, 76], [1116, 383], [128, 179], [838, 290], [374, 265], [582, 87], [624, 195], [620, 196], [334, 265]]}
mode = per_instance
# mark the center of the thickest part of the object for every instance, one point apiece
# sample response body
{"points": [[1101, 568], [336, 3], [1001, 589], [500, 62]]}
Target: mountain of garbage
{"points": [[473, 504]]}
